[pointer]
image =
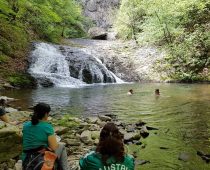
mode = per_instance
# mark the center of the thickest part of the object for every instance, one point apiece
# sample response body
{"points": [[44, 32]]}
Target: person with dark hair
{"points": [[130, 92], [38, 133], [157, 92], [109, 153], [3, 115]]}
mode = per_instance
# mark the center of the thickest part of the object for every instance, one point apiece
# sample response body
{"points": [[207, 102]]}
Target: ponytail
{"points": [[40, 110], [34, 119]]}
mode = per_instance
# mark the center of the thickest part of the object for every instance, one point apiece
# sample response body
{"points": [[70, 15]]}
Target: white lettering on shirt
{"points": [[114, 167]]}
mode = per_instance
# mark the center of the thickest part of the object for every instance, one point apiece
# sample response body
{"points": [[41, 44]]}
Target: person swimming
{"points": [[157, 92], [130, 92]]}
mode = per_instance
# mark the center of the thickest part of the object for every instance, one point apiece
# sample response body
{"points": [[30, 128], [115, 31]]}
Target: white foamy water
{"points": [[50, 66]]}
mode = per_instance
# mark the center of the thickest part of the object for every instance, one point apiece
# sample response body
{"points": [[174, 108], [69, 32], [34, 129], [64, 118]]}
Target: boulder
{"points": [[95, 135], [184, 156], [10, 142], [113, 116], [91, 119], [94, 127], [85, 137], [59, 130], [144, 132], [97, 33], [129, 137], [10, 110], [104, 118]]}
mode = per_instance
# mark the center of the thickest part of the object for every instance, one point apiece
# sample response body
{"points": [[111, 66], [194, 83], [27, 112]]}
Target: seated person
{"points": [[3, 115], [130, 92], [38, 133], [110, 152]]}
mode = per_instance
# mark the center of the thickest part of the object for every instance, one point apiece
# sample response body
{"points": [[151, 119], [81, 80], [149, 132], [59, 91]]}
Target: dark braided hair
{"points": [[111, 143], [39, 112]]}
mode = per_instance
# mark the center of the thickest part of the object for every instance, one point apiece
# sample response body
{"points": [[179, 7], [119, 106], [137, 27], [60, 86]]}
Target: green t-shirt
{"points": [[35, 136], [92, 161]]}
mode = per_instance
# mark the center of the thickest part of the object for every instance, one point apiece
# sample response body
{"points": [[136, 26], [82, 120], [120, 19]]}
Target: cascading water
{"points": [[64, 66]]}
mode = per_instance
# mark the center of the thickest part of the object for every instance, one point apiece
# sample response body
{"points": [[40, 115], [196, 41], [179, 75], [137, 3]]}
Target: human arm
{"points": [[52, 142], [4, 118], [3, 115]]}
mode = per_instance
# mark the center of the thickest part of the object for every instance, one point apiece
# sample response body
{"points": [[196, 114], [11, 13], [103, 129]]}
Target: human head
{"points": [[40, 111], [2, 102], [157, 92], [131, 91], [111, 143]]}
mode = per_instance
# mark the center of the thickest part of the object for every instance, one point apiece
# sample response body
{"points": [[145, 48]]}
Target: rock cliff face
{"points": [[100, 11]]}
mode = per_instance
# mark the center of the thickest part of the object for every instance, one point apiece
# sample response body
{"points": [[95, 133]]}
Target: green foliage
{"points": [[68, 121], [46, 19], [3, 58], [24, 20], [12, 38], [181, 27], [21, 80]]}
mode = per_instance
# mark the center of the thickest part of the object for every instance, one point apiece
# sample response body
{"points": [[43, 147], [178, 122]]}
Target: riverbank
{"points": [[180, 114], [80, 135]]}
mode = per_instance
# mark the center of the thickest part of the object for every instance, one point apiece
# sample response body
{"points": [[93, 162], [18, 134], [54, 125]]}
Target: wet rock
{"points": [[140, 123], [144, 132], [112, 116], [151, 128], [104, 118], [205, 157], [129, 137], [8, 86], [141, 162], [8, 99], [184, 156], [45, 82], [130, 128], [137, 142]]}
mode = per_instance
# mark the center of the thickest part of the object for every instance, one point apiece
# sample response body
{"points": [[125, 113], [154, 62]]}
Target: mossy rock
{"points": [[10, 142], [22, 80]]}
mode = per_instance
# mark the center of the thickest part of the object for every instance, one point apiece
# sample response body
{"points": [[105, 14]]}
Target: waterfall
{"points": [[64, 66]]}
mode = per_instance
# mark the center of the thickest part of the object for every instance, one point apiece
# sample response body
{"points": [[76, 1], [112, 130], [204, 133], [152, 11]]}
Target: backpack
{"points": [[40, 159]]}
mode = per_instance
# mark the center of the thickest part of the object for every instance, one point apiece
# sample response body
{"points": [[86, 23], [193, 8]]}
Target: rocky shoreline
{"points": [[79, 135]]}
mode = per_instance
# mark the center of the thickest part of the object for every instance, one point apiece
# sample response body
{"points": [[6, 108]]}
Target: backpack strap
{"points": [[34, 150]]}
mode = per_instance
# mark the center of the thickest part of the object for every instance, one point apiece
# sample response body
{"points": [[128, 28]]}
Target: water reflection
{"points": [[181, 113]]}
